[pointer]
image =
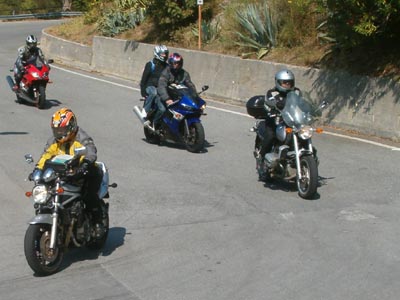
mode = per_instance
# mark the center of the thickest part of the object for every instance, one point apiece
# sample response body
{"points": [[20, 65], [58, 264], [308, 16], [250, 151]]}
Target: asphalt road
{"points": [[199, 226]]}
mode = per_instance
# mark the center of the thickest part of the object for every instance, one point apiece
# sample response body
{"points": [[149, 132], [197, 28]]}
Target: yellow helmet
{"points": [[64, 125]]}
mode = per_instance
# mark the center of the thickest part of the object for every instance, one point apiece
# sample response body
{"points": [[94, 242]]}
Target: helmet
{"points": [[175, 61], [31, 41], [64, 125], [161, 53], [284, 81]]}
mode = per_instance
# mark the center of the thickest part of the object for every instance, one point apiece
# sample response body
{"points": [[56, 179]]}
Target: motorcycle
{"points": [[61, 220], [35, 78], [181, 122], [292, 155]]}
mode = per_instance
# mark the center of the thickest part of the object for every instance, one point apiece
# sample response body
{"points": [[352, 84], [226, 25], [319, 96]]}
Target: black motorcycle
{"points": [[61, 220], [292, 155]]}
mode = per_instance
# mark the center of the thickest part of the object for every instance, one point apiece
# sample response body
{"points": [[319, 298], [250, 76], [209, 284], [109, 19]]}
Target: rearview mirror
{"points": [[29, 158]]}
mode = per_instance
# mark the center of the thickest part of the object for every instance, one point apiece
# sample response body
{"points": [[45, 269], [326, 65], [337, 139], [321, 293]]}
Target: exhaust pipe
{"points": [[140, 113], [10, 81]]}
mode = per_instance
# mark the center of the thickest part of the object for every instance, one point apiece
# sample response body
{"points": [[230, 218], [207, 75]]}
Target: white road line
{"points": [[229, 111]]}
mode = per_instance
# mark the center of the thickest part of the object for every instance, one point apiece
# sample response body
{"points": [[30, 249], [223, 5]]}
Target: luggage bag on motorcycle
{"points": [[255, 107]]}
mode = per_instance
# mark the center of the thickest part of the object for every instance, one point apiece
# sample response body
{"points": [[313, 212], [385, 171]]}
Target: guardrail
{"points": [[51, 15]]}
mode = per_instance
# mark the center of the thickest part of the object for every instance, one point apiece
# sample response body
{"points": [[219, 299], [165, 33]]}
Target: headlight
{"points": [[39, 194], [203, 107], [35, 74], [305, 132]]}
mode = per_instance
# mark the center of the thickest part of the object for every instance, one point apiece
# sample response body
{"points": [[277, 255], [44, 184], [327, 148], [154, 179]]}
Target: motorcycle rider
{"points": [[174, 73], [149, 82], [26, 54], [284, 83], [67, 136]]}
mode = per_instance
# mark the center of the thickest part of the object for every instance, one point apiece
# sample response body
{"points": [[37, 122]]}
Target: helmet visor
{"points": [[287, 84], [60, 132]]}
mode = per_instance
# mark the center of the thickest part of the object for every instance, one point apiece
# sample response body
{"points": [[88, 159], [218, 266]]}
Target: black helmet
{"points": [[31, 41], [175, 61], [284, 81]]}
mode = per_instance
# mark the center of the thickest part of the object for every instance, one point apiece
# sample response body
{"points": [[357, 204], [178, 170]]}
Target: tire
{"points": [[307, 186], [194, 142], [42, 96], [97, 244], [151, 137], [37, 252]]}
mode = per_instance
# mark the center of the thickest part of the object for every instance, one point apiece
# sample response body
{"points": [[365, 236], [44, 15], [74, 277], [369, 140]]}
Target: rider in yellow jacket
{"points": [[67, 136]]}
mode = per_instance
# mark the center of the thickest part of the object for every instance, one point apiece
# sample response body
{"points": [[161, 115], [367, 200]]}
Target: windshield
{"points": [[299, 111], [36, 61], [178, 90]]}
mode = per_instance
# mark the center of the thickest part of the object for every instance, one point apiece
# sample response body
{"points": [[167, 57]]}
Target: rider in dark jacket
{"points": [[149, 82], [25, 54], [174, 73], [284, 83]]}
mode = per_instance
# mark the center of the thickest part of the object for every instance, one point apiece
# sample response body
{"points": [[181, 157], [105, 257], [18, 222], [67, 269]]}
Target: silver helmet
{"points": [[31, 41], [161, 53], [284, 81]]}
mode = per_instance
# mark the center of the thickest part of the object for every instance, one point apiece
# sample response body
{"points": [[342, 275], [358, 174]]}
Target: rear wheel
{"points": [[99, 243], [42, 96], [194, 140], [307, 185], [42, 260], [151, 136]]}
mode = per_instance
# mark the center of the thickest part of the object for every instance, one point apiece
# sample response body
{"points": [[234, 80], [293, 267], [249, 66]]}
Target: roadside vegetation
{"points": [[361, 37]]}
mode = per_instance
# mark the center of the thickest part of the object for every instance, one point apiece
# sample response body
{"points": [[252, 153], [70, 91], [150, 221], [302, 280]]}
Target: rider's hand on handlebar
{"points": [[169, 102]]}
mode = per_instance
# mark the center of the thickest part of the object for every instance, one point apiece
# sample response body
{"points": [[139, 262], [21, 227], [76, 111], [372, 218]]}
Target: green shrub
{"points": [[258, 29], [354, 22]]}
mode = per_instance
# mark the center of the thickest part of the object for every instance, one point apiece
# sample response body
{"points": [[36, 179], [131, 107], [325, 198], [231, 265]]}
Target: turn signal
{"points": [[288, 130], [28, 194], [60, 190], [319, 130]]}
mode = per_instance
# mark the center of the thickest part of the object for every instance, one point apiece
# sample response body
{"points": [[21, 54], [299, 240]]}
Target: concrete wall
{"points": [[367, 105]]}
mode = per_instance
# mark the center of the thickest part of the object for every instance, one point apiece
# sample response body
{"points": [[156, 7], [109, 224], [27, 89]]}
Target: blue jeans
{"points": [[151, 92], [153, 101]]}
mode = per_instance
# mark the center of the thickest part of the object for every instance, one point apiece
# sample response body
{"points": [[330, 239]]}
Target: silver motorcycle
{"points": [[293, 155], [61, 220]]}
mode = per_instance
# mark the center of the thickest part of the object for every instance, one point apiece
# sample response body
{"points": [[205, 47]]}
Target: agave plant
{"points": [[124, 15], [259, 28], [210, 31]]}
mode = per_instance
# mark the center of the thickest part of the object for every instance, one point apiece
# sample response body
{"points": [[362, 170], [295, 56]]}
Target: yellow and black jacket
{"points": [[54, 148]]}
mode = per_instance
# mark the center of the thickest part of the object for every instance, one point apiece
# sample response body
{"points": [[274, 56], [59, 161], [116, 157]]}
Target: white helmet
{"points": [[284, 81], [161, 53], [31, 41]]}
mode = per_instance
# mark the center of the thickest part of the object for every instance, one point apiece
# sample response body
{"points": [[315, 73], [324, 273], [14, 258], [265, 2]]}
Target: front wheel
{"points": [[42, 260], [42, 96], [307, 185], [194, 140]]}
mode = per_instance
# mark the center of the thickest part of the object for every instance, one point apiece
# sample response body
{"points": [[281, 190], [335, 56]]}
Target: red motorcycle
{"points": [[32, 87]]}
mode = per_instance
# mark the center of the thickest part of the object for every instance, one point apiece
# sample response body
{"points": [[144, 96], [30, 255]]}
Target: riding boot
{"points": [[261, 169]]}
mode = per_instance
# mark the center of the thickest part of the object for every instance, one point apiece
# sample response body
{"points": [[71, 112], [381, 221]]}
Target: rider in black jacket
{"points": [[149, 82], [284, 83]]}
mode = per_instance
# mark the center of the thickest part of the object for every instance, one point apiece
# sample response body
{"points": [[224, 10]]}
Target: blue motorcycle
{"points": [[181, 121]]}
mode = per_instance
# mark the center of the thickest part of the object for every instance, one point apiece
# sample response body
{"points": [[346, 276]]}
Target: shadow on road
{"points": [[115, 239]]}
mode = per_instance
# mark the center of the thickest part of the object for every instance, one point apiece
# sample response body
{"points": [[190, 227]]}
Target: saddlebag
{"points": [[255, 107]]}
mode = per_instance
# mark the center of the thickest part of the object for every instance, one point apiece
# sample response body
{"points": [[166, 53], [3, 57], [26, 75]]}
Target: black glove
{"points": [[80, 172]]}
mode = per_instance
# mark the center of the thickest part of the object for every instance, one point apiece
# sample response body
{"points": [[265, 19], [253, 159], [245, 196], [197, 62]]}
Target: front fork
{"points": [[54, 216], [299, 153]]}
